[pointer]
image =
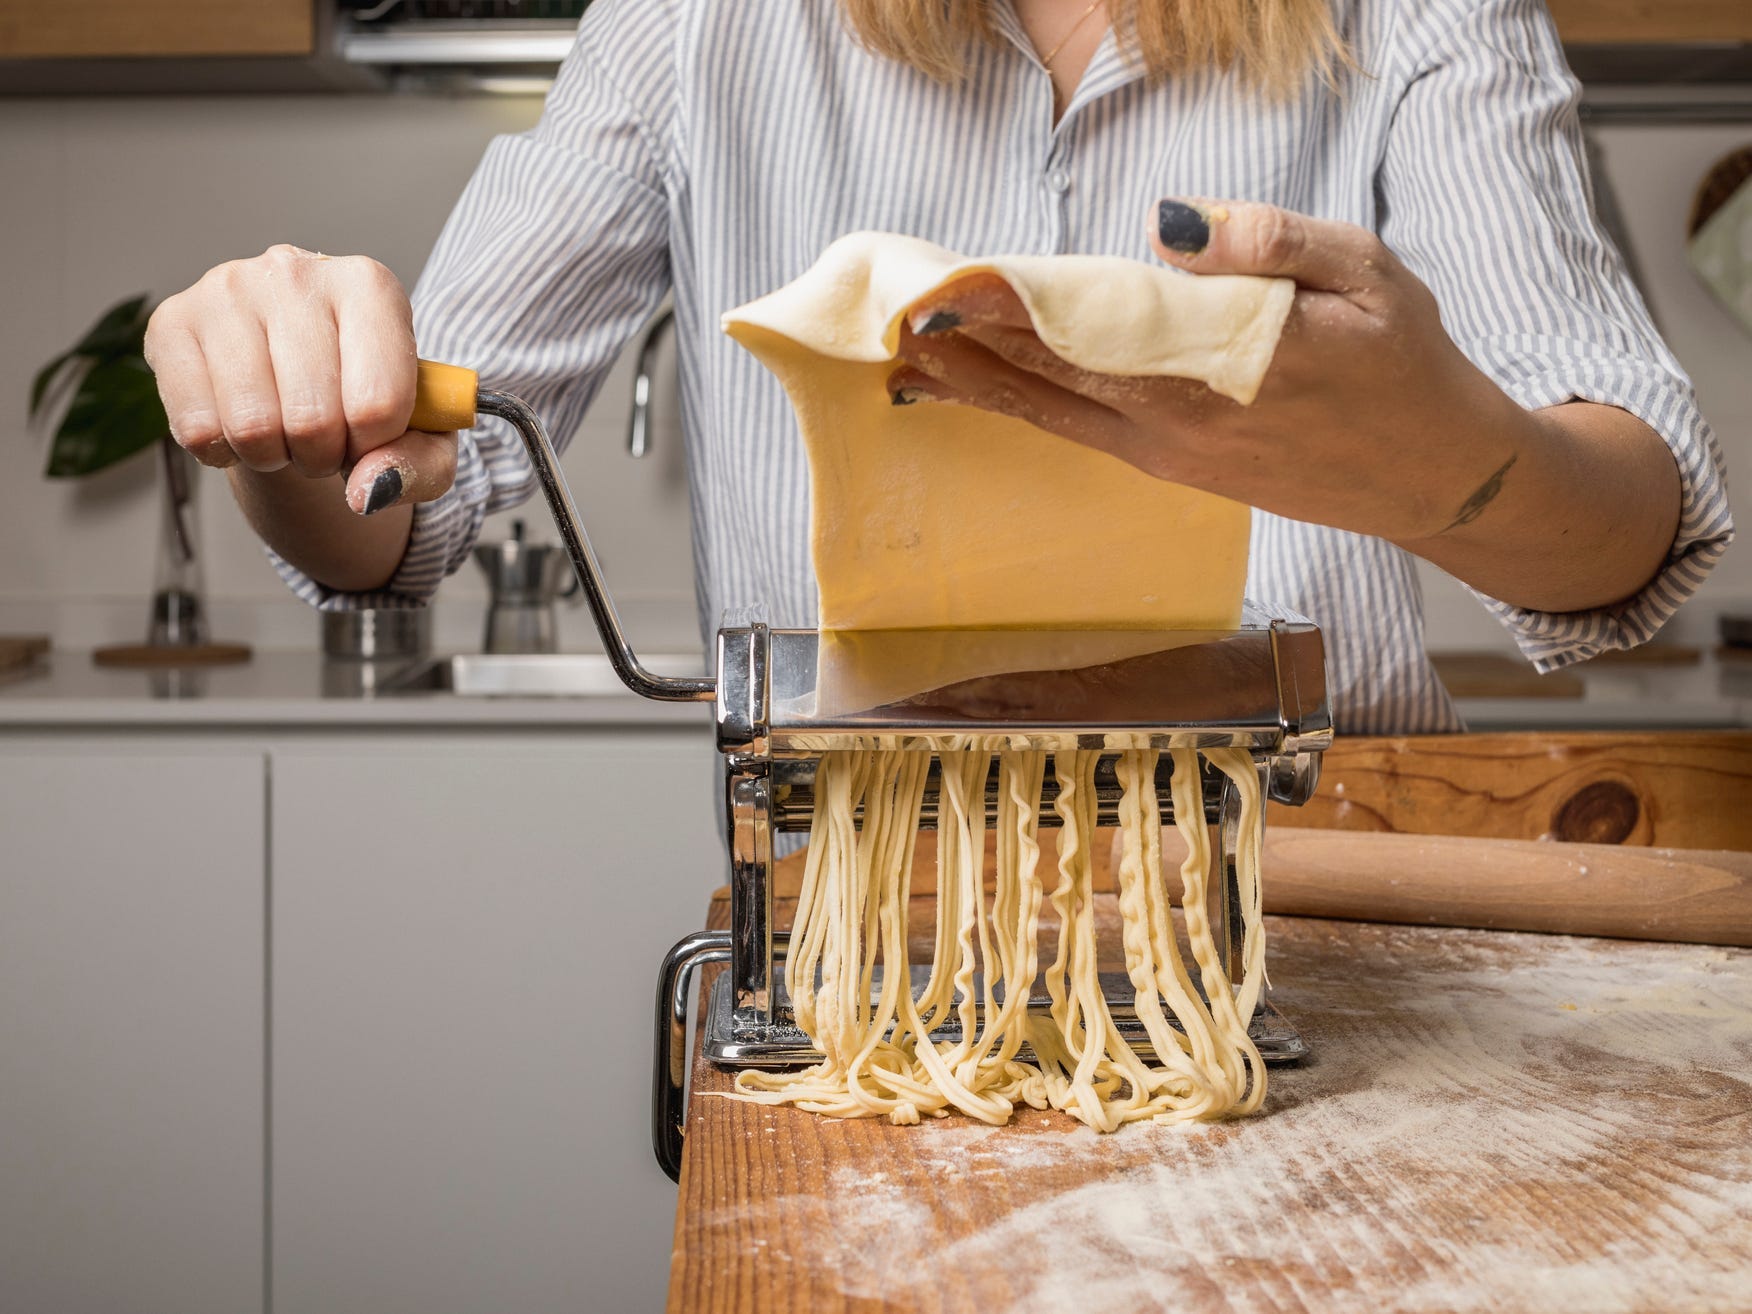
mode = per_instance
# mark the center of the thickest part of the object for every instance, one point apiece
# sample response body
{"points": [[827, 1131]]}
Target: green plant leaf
{"points": [[115, 413], [122, 328], [40, 385], [119, 331]]}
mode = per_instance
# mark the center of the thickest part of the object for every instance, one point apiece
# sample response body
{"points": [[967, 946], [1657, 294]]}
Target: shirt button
{"points": [[1058, 182]]}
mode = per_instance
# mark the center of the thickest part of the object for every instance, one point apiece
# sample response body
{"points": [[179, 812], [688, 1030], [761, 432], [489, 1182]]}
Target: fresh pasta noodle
{"points": [[880, 1057]]}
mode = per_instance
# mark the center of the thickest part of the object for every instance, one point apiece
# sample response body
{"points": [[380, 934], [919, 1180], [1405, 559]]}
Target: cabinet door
{"points": [[465, 947], [83, 28], [131, 1019]]}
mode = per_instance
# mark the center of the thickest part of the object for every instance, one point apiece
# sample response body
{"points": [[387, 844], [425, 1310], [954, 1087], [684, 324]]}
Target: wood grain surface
{"points": [[1490, 1121], [1673, 789]]}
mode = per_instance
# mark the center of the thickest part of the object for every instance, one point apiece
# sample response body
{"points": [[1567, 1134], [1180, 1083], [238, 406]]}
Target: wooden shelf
{"points": [[1652, 22], [77, 29]]}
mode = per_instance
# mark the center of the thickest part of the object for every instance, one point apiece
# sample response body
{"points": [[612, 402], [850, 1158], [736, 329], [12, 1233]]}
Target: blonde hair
{"points": [[1274, 44]]}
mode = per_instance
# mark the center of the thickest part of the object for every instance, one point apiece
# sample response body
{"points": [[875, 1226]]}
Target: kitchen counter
{"points": [[289, 689], [1488, 1121], [281, 687]]}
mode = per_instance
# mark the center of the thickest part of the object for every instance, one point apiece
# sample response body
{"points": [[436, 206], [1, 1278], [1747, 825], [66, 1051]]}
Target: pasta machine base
{"points": [[779, 1044]]}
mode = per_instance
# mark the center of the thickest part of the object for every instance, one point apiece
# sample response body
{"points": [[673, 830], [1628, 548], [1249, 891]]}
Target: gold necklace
{"points": [[1046, 59]]}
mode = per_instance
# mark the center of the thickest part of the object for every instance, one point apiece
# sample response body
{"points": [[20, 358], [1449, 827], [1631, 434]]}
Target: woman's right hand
{"points": [[296, 359]]}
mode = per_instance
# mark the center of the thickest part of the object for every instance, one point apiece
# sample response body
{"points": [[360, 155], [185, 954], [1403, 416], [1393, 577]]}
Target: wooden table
{"points": [[1490, 1121]]}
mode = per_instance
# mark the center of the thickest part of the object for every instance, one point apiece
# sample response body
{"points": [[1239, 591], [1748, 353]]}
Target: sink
{"points": [[530, 675]]}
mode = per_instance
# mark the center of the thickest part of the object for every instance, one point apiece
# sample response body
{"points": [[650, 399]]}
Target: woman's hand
{"points": [[1369, 418], [293, 361]]}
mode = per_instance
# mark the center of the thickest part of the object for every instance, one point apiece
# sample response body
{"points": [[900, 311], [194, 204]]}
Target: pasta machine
{"points": [[786, 696]]}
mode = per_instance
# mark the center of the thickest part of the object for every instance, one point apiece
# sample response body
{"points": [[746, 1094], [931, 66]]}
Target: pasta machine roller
{"points": [[786, 696]]}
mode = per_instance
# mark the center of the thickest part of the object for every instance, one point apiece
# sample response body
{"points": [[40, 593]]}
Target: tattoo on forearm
{"points": [[1483, 497]]}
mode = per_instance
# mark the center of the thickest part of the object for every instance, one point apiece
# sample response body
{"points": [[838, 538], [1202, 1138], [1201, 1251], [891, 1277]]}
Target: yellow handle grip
{"points": [[444, 398]]}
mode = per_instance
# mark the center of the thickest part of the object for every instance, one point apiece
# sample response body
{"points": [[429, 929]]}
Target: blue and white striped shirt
{"points": [[713, 149]]}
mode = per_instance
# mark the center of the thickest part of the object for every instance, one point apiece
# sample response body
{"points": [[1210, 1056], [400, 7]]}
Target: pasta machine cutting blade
{"points": [[784, 697]]}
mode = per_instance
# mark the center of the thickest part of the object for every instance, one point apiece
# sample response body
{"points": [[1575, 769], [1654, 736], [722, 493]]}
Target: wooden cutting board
{"points": [[16, 650], [1490, 1121], [1647, 654], [1496, 675], [18, 655], [158, 656]]}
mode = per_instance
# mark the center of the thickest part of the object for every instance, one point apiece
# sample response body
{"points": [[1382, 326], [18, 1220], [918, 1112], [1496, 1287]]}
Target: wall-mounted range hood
{"points": [[466, 44]]}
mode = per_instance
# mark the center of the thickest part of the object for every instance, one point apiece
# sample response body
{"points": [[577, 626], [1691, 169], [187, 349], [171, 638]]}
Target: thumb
{"points": [[417, 467], [1244, 237]]}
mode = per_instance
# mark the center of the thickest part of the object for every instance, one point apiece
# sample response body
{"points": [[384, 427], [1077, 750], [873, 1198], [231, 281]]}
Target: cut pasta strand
{"points": [[879, 1054]]}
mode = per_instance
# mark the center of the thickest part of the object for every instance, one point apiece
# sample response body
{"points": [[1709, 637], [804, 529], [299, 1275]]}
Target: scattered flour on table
{"points": [[1443, 1130]]}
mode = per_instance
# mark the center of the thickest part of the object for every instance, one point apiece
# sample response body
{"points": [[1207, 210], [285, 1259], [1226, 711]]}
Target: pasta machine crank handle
{"points": [[450, 397]]}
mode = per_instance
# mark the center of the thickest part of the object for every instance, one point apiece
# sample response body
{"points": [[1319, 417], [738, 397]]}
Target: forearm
{"points": [[1578, 510], [308, 522]]}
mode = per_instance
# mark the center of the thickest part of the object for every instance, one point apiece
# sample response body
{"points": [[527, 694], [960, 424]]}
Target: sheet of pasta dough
{"points": [[943, 516]]}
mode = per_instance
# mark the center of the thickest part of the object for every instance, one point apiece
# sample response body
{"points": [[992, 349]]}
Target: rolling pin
{"points": [[1691, 895]]}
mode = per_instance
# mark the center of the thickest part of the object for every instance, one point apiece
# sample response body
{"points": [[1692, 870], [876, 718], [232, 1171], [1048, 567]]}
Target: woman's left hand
{"points": [[1369, 418]]}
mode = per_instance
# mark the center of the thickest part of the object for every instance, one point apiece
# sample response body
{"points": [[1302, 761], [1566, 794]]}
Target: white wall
{"points": [[103, 198], [1654, 172]]}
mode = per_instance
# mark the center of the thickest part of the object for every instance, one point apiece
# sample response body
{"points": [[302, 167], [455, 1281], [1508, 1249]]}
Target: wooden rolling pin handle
{"points": [[1627, 892], [444, 398], [1691, 895]]}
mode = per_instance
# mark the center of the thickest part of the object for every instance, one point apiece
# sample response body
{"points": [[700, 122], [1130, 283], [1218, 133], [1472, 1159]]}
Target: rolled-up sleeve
{"points": [[554, 256], [1483, 191]]}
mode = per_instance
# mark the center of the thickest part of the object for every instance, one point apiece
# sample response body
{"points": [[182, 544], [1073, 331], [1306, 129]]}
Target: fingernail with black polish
{"points": [[907, 396], [941, 321], [1182, 227], [385, 489]]}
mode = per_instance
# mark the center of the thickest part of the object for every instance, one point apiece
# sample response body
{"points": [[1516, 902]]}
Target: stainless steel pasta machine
{"points": [[786, 696]]}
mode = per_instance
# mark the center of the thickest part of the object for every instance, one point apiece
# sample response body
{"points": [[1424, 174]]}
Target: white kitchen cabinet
{"points": [[465, 941], [131, 1028]]}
